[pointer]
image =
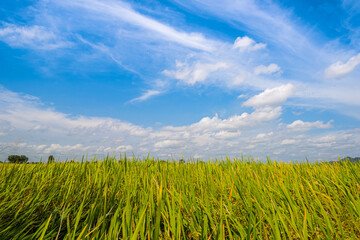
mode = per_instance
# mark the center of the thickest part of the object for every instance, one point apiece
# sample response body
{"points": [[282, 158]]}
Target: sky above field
{"points": [[197, 78]]}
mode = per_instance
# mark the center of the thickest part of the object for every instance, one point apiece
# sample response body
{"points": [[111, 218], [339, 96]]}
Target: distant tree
{"points": [[17, 159], [50, 159], [351, 159]]}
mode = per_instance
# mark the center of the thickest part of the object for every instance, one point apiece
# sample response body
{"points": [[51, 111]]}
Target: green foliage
{"points": [[50, 159], [17, 159], [355, 160], [148, 199], [346, 159]]}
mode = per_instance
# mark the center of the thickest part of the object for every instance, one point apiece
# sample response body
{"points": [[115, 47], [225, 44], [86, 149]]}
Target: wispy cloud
{"points": [[124, 12], [268, 22], [107, 51], [234, 65], [33, 37], [148, 94], [196, 73]]}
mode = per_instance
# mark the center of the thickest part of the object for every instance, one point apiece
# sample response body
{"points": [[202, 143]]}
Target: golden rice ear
{"points": [[226, 198]]}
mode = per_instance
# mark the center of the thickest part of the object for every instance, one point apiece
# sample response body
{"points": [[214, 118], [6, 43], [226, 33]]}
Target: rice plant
{"points": [[149, 199]]}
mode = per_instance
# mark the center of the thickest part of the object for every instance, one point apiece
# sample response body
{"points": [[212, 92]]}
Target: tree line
{"points": [[25, 159]]}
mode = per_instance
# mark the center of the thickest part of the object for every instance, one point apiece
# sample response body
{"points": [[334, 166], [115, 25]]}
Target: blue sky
{"points": [[195, 78]]}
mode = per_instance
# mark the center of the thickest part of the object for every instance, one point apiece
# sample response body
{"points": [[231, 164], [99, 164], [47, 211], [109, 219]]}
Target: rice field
{"points": [[148, 199]]}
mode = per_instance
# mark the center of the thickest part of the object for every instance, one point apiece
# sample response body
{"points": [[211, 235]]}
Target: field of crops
{"points": [[147, 199]]}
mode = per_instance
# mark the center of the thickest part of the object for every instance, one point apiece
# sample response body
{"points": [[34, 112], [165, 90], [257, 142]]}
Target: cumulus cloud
{"points": [[247, 44], [68, 136], [34, 37], [262, 69], [101, 135], [299, 125], [263, 136], [271, 96], [340, 69], [227, 135], [235, 122], [196, 73], [167, 144]]}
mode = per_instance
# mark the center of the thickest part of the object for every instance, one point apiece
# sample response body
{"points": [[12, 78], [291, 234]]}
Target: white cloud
{"points": [[252, 133], [291, 45], [77, 148], [71, 135], [167, 144], [34, 37], [271, 23], [251, 146], [124, 24], [299, 125], [236, 122], [227, 135], [124, 148], [27, 114], [40, 147], [127, 34], [196, 73], [271, 97], [242, 96], [238, 80], [340, 69], [262, 136], [124, 12], [216, 64], [107, 51], [288, 141], [327, 138], [262, 69], [247, 44], [148, 94]]}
